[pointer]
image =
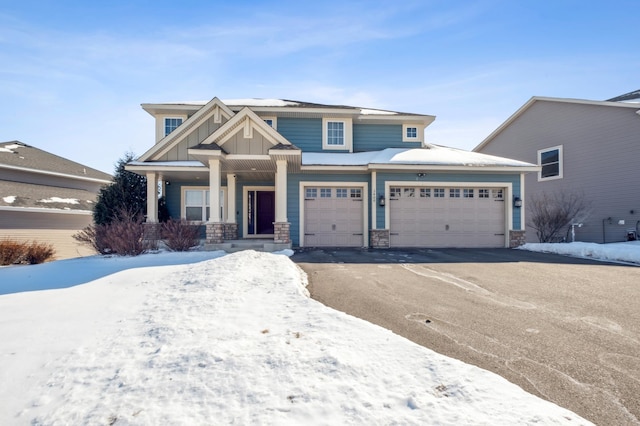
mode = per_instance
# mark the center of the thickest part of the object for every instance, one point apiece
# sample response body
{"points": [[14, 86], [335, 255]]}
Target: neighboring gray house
{"points": [[46, 198], [591, 147], [289, 173]]}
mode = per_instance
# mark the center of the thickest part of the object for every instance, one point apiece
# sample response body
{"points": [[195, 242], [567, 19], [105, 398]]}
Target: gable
{"points": [[191, 132]]}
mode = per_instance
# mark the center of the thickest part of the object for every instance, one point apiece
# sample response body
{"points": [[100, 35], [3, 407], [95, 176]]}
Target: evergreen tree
{"points": [[127, 193]]}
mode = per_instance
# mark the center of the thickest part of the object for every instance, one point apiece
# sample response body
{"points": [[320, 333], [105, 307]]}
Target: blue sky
{"points": [[73, 74]]}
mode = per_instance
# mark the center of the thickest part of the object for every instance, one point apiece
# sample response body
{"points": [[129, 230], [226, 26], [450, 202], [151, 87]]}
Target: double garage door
{"points": [[333, 217], [446, 217]]}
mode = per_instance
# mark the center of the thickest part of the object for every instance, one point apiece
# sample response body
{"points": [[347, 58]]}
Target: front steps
{"points": [[264, 245]]}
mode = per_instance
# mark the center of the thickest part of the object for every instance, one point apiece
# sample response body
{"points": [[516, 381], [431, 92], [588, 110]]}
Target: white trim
{"points": [[365, 201], [245, 210], [427, 168], [57, 174], [274, 121], [45, 210], [419, 133], [522, 208], [508, 197], [348, 134], [560, 163]]}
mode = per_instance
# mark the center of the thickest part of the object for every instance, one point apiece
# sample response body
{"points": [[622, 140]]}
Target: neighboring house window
{"points": [[550, 161], [412, 133], [170, 124], [337, 134]]}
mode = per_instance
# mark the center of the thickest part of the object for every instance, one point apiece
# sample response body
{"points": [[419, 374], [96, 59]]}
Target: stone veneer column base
{"points": [[517, 238], [152, 231], [215, 233], [230, 231], [379, 238], [281, 232]]}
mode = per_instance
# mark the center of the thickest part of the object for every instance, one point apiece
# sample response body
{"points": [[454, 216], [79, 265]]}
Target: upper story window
{"points": [[170, 124], [550, 160], [337, 134], [271, 121], [412, 133]]}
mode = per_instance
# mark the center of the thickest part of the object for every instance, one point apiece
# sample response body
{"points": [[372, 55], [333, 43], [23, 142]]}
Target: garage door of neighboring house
{"points": [[333, 217], [447, 217]]}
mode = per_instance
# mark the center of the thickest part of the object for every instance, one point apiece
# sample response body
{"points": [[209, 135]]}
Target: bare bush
{"points": [[123, 236], [12, 251], [551, 214], [38, 253], [179, 235]]}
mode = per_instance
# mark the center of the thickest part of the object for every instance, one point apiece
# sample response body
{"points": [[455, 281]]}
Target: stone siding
{"points": [[379, 238]]}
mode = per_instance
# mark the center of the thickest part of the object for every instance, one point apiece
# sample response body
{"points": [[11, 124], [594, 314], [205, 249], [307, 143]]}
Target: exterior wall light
{"points": [[517, 202], [381, 201]]}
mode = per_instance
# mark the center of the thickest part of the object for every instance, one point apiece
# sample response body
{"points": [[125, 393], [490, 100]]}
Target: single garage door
{"points": [[333, 217], [447, 217]]}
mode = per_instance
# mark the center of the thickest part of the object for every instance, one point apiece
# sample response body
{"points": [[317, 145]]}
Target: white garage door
{"points": [[333, 217], [447, 217]]}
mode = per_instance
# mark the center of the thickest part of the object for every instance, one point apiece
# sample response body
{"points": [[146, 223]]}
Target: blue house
{"points": [[309, 175]]}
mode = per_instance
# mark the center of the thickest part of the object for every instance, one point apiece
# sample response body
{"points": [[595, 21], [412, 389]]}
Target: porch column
{"points": [[215, 227], [281, 227], [231, 226], [281, 191], [152, 197], [151, 225]]}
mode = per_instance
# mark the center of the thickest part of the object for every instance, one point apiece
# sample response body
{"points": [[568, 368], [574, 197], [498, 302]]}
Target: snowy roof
{"points": [[50, 198], [434, 155], [15, 154]]}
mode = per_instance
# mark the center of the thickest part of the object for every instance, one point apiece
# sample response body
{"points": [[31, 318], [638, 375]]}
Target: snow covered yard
{"points": [[626, 252], [232, 339]]}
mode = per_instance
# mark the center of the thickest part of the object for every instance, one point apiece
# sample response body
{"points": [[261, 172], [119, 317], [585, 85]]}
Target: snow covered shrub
{"points": [[179, 235], [38, 253], [11, 251]]}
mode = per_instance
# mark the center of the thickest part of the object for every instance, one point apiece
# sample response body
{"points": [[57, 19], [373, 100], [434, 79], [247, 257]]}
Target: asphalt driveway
{"points": [[567, 330]]}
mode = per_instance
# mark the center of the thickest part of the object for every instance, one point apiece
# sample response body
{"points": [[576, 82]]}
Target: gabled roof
{"points": [[535, 99], [214, 108], [32, 197], [20, 156]]}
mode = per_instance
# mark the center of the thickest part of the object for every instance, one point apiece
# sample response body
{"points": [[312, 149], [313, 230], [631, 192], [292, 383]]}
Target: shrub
{"points": [[16, 252], [551, 214], [12, 251], [123, 236], [38, 253], [179, 235]]}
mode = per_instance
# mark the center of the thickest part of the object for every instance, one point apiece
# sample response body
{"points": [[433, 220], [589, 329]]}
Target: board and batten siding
{"points": [[601, 151], [49, 228], [194, 137]]}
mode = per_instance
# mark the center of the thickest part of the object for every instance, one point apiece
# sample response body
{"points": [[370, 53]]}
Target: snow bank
{"points": [[616, 252], [230, 340]]}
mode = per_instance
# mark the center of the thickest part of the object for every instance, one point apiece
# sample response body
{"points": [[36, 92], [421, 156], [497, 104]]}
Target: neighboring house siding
{"points": [[601, 151], [376, 137], [305, 133], [478, 178], [50, 228]]}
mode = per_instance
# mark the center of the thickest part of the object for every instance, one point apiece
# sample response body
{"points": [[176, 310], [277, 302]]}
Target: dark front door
{"points": [[262, 212]]}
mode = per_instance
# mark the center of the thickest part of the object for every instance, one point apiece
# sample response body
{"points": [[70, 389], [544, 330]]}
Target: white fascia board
{"points": [[57, 174], [45, 210], [159, 167], [425, 120], [291, 152], [334, 168], [427, 167]]}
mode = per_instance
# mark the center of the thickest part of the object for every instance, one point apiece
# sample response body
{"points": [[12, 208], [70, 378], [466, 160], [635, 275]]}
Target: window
{"points": [[311, 193], [356, 193], [550, 160], [412, 133], [196, 204], [271, 121], [438, 192], [425, 192], [483, 193], [497, 194], [170, 124], [341, 193], [325, 192], [454, 193], [467, 193], [395, 192], [337, 134]]}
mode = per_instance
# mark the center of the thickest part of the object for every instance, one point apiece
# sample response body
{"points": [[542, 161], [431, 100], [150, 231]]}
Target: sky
{"points": [[73, 74]]}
